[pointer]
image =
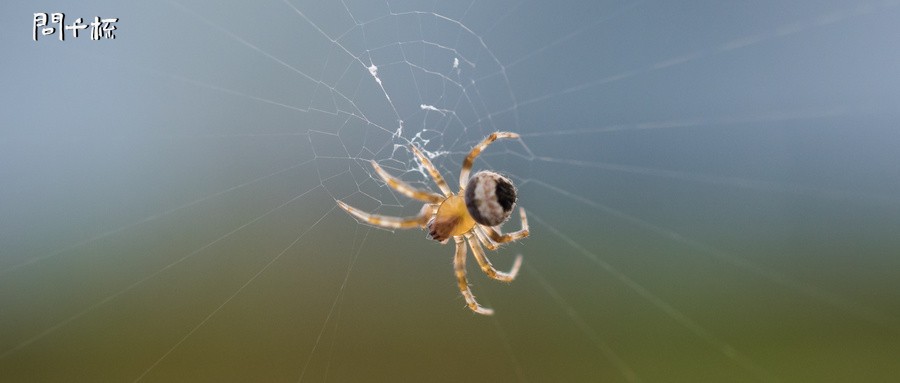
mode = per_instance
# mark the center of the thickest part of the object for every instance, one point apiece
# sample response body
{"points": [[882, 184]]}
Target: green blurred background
{"points": [[712, 191]]}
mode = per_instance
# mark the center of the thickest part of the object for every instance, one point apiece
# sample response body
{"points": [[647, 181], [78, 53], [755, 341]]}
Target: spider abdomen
{"points": [[490, 198]]}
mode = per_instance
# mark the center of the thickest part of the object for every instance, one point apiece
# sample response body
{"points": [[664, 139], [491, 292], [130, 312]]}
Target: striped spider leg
{"points": [[497, 237], [476, 150]]}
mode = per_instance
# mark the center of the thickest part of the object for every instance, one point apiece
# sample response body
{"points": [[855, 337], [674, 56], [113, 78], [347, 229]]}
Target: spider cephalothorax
{"points": [[483, 202]]}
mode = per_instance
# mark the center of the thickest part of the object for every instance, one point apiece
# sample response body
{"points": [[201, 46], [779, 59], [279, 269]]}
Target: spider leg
{"points": [[482, 236], [404, 188], [431, 170], [459, 265], [470, 159], [390, 222], [510, 237], [486, 265]]}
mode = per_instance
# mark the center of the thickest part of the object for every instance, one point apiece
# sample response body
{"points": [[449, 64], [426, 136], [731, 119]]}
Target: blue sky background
{"points": [[711, 187]]}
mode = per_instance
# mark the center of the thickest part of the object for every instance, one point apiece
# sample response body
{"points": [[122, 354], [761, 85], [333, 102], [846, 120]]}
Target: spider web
{"points": [[700, 211]]}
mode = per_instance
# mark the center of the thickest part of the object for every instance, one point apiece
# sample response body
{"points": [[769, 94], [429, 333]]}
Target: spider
{"points": [[484, 201]]}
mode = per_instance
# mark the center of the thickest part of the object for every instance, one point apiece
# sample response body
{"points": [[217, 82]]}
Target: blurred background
{"points": [[711, 187]]}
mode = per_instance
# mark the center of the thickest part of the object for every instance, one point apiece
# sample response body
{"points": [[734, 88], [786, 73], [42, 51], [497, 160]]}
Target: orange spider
{"points": [[483, 202]]}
